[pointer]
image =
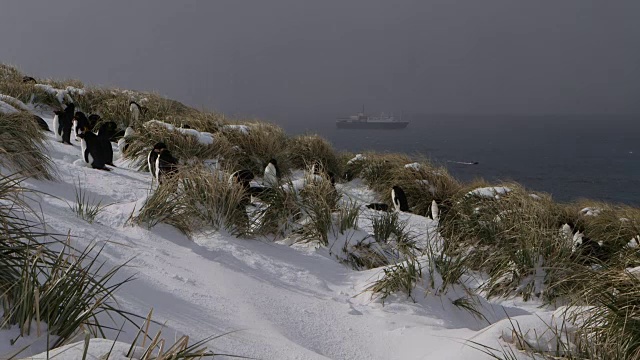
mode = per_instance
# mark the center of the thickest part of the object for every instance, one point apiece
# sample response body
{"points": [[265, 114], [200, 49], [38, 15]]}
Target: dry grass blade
{"points": [[21, 146]]}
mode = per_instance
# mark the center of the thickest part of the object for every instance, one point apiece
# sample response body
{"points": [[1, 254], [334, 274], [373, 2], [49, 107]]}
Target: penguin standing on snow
{"points": [[399, 199], [166, 165], [92, 151], [57, 127], [94, 119], [271, 173], [66, 122], [81, 123]]}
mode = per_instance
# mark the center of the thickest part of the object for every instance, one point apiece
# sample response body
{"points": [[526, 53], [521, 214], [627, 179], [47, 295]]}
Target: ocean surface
{"points": [[569, 156]]}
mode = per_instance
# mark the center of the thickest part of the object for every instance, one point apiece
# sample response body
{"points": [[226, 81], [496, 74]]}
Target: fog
{"points": [[281, 57]]}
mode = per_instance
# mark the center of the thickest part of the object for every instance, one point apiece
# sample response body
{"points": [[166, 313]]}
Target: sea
{"points": [[571, 157]]}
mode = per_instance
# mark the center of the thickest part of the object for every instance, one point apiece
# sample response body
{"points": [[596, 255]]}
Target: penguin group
{"points": [[95, 148]]}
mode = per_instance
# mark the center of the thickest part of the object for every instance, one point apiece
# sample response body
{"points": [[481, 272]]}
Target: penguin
{"points": [[81, 123], [243, 177], [153, 156], [94, 119], [378, 206], [122, 142], [107, 130], [40, 121], [271, 173], [57, 127], [399, 199], [136, 110], [28, 80], [166, 165], [66, 122], [435, 211], [318, 169], [93, 152]]}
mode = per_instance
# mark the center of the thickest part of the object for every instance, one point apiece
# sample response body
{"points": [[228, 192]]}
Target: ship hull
{"points": [[371, 124]]}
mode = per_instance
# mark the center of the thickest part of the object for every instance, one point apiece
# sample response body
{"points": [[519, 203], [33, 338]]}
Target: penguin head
{"points": [[159, 147], [80, 116]]}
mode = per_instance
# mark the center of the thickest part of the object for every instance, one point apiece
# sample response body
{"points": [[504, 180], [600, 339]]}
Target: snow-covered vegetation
{"points": [[113, 264]]}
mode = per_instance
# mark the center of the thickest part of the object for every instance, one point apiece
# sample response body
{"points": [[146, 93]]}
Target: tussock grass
{"points": [[391, 242], [610, 327], [66, 289], [85, 206], [184, 147], [514, 238], [194, 200], [21, 146], [424, 183], [264, 142], [279, 211], [401, 277], [304, 150], [376, 170], [318, 201], [160, 348], [10, 74]]}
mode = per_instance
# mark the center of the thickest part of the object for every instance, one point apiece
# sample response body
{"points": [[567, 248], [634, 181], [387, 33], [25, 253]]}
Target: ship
{"points": [[363, 121]]}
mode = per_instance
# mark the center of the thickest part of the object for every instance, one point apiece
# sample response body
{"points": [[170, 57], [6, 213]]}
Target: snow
{"points": [[413, 166], [14, 101], [490, 192], [7, 109], [244, 129], [358, 157], [203, 138], [590, 211], [60, 94], [283, 301]]}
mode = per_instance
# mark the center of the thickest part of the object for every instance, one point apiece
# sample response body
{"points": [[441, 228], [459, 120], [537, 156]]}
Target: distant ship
{"points": [[364, 121]]}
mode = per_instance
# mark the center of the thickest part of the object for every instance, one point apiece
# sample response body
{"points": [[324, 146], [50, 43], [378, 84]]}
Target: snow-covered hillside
{"points": [[272, 300]]}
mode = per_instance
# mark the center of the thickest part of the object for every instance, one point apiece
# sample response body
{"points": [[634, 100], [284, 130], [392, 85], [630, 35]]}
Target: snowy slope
{"points": [[279, 302]]}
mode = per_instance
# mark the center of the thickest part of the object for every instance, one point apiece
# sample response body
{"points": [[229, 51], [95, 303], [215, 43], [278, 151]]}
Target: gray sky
{"points": [[295, 56]]}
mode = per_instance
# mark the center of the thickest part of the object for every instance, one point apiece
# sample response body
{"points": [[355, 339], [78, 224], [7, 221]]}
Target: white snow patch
{"points": [[204, 138], [490, 192], [244, 129]]}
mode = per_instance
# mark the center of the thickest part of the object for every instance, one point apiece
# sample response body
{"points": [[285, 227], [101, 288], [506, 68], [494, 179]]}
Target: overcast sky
{"points": [[278, 56]]}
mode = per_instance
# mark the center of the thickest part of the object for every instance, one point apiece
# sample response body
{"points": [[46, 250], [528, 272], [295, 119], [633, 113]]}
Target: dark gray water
{"points": [[570, 157]]}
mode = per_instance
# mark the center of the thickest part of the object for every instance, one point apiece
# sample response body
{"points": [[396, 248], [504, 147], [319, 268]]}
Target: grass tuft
{"points": [[21, 146]]}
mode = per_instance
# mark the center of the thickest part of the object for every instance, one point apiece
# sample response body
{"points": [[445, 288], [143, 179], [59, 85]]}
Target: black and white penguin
{"points": [[81, 123], [66, 122], [93, 151], [153, 156], [57, 127], [123, 145], [94, 119], [242, 177], [378, 206], [166, 165], [108, 129], [271, 173], [399, 199], [41, 123], [136, 110], [318, 169]]}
